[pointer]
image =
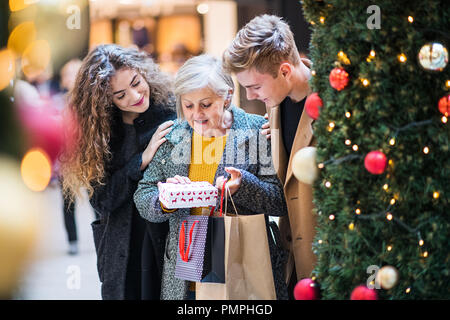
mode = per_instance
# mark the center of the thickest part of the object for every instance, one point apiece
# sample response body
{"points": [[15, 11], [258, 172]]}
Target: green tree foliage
{"points": [[400, 102]]}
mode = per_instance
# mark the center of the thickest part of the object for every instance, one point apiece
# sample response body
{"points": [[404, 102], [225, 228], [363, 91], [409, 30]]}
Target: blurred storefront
{"points": [[169, 30]]}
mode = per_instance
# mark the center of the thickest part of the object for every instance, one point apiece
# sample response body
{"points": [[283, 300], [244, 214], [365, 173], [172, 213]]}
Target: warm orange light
{"points": [[402, 57], [17, 5], [21, 37], [7, 65], [36, 58], [36, 169], [365, 82]]}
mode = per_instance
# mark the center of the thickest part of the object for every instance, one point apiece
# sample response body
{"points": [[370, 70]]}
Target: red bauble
{"points": [[444, 105], [363, 293], [313, 104], [338, 78], [306, 289], [375, 162]]}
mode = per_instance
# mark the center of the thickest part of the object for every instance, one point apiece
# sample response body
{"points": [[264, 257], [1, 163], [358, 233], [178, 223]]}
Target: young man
{"points": [[266, 62]]}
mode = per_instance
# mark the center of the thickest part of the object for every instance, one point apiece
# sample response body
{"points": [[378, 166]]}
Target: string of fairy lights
{"points": [[433, 57]]}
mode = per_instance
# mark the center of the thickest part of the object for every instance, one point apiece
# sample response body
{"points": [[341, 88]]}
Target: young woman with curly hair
{"points": [[122, 107]]}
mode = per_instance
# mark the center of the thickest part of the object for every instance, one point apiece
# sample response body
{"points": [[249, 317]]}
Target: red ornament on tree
{"points": [[313, 104], [375, 162], [444, 105], [306, 289], [363, 293], [338, 78]]}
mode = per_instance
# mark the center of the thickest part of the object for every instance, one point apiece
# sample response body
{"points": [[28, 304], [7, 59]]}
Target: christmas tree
{"points": [[382, 192]]}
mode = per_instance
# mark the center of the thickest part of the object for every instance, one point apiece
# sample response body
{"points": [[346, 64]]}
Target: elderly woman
{"points": [[209, 140]]}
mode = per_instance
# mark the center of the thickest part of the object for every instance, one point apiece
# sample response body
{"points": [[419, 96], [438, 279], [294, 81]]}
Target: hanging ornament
{"points": [[306, 289], [363, 293], [375, 162], [387, 277], [338, 78], [304, 166], [313, 104], [433, 56], [444, 105]]}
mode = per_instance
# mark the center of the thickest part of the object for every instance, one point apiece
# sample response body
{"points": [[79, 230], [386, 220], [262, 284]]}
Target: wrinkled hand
{"points": [[156, 141], [266, 127], [234, 183], [176, 179]]}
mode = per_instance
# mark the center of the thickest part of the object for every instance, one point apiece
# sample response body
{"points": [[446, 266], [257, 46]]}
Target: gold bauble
{"points": [[19, 208]]}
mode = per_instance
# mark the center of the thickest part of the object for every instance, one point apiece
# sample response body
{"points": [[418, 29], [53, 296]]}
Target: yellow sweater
{"points": [[206, 154]]}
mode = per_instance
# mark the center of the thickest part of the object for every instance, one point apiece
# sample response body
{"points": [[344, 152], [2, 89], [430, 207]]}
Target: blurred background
{"points": [[46, 245]]}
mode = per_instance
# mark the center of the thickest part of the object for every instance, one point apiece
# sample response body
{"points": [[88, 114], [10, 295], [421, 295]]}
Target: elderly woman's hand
{"points": [[234, 183]]}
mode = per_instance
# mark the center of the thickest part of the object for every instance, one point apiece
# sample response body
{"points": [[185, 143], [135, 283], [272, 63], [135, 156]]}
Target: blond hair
{"points": [[263, 43]]}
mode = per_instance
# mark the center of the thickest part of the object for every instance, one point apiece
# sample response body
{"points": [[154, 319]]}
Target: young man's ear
{"points": [[286, 70]]}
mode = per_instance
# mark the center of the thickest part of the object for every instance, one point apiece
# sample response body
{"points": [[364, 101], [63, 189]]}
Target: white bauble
{"points": [[387, 277], [304, 166]]}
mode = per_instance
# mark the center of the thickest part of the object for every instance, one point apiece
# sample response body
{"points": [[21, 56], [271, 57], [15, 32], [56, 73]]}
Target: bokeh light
{"points": [[7, 67], [36, 169], [36, 58], [21, 37], [17, 5]]}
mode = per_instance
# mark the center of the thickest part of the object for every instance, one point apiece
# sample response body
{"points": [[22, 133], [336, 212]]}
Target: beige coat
{"points": [[298, 229]]}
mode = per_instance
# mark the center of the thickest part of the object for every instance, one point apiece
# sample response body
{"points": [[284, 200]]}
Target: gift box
{"points": [[190, 195]]}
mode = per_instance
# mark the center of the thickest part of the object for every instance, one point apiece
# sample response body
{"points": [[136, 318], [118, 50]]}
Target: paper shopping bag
{"points": [[248, 268], [191, 248], [214, 260]]}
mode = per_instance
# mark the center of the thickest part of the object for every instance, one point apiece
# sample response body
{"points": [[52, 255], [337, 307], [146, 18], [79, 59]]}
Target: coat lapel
{"points": [[279, 156], [303, 137]]}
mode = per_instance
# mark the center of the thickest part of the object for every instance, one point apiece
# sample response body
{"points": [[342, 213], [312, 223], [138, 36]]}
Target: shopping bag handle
{"points": [[185, 253], [227, 189], [221, 202]]}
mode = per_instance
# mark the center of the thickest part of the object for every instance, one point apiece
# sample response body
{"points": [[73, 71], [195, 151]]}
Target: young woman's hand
{"points": [[157, 140], [234, 183]]}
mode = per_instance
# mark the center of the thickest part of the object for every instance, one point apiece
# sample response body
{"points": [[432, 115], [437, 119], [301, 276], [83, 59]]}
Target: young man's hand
{"points": [[266, 127]]}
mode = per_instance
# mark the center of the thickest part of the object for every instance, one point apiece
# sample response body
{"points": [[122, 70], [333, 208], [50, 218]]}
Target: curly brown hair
{"points": [[85, 157]]}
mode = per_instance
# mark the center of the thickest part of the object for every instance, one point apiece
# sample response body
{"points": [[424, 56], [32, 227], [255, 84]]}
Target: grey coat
{"points": [[260, 191]]}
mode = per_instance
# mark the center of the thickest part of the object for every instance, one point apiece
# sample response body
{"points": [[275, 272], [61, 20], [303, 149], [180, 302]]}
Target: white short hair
{"points": [[200, 72]]}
